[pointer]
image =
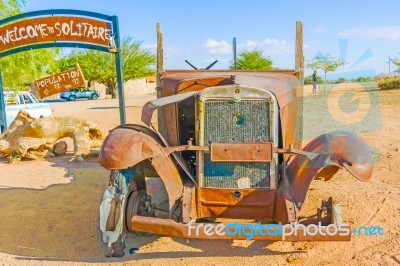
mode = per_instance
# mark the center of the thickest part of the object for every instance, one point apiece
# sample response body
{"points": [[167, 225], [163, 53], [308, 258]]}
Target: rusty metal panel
{"points": [[203, 83], [66, 80], [242, 152], [125, 148], [236, 203], [336, 149], [52, 29]]}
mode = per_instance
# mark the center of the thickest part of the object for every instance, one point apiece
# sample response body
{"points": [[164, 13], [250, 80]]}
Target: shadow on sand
{"points": [[60, 223]]}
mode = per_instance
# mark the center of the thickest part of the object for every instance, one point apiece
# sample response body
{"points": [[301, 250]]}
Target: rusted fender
{"points": [[335, 150], [126, 147]]}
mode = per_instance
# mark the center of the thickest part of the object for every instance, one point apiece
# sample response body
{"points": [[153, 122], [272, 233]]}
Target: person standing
{"points": [[314, 81]]}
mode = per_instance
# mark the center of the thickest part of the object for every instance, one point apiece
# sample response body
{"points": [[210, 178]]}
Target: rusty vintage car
{"points": [[227, 148]]}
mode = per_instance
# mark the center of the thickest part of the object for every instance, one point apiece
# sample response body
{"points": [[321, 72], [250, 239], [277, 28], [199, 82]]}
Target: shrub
{"points": [[365, 79], [389, 82], [340, 80]]}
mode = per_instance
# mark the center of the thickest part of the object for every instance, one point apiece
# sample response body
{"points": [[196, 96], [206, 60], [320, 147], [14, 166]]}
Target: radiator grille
{"points": [[230, 122]]}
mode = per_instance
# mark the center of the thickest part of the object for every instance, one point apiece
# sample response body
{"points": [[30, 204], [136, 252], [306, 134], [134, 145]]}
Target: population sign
{"points": [[66, 80]]}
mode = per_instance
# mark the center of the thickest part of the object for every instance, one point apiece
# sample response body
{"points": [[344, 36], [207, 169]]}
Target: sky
{"points": [[363, 33]]}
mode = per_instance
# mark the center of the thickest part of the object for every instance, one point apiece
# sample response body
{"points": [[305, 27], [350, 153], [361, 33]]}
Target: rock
{"points": [[60, 148], [294, 258], [32, 138]]}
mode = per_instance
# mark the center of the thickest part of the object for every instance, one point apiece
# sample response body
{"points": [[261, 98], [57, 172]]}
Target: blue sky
{"points": [[202, 31]]}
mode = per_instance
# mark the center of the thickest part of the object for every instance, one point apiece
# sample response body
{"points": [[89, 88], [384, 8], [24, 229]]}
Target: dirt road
{"points": [[58, 225]]}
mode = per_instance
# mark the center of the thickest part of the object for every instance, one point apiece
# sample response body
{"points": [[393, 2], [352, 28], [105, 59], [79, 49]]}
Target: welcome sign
{"points": [[63, 28], [53, 29]]}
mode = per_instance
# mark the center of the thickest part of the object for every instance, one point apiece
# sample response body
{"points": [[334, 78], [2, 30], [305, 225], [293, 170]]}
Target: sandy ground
{"points": [[46, 224]]}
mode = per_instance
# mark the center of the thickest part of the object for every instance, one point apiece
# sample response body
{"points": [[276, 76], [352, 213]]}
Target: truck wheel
{"points": [[72, 97], [94, 96], [136, 201]]}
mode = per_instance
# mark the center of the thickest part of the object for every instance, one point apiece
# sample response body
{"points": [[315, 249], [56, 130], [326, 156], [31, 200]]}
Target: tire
{"points": [[72, 97], [94, 96], [134, 203]]}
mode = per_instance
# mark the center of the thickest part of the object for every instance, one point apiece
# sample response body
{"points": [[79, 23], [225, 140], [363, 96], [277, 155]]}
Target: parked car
{"points": [[16, 101], [74, 94]]}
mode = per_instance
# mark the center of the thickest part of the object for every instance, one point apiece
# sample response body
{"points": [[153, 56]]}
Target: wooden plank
{"points": [[299, 60], [63, 81], [299, 65], [160, 71]]}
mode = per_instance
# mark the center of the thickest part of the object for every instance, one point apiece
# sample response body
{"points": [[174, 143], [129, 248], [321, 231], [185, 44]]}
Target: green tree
{"points": [[326, 63], [253, 60], [10, 7], [99, 66], [396, 61], [19, 70]]}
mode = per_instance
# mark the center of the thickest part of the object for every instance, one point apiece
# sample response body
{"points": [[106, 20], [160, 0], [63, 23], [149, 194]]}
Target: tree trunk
{"points": [[113, 91]]}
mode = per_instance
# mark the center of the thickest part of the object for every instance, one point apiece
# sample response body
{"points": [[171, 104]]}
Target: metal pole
{"points": [[234, 52], [389, 64], [3, 124], [118, 65]]}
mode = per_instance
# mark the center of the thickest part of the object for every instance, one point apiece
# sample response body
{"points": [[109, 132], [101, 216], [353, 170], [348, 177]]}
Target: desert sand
{"points": [[49, 208]]}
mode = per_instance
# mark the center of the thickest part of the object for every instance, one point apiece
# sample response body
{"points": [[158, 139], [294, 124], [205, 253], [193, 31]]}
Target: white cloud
{"points": [[150, 46], [390, 32], [307, 45], [320, 29], [269, 46], [180, 51], [218, 47]]}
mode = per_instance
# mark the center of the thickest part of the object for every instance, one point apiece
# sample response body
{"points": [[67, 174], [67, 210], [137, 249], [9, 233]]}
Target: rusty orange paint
{"points": [[125, 147], [242, 152], [336, 149]]}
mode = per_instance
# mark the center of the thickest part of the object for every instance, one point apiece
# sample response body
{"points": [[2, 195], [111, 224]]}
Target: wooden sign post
{"points": [[66, 80]]}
